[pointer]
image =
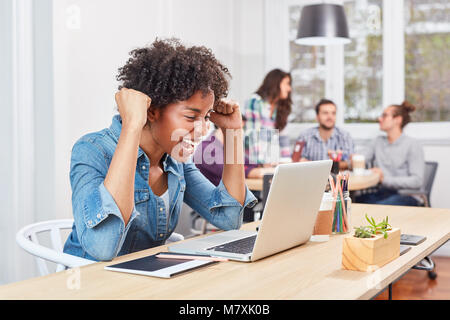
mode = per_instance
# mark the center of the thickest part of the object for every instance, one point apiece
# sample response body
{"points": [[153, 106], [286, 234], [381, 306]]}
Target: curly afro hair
{"points": [[168, 72]]}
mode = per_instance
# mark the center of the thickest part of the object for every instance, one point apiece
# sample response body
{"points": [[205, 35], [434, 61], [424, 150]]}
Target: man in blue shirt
{"points": [[326, 138]]}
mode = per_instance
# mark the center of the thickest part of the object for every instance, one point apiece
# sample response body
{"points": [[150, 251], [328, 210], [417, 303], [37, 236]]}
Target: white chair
{"points": [[27, 239]]}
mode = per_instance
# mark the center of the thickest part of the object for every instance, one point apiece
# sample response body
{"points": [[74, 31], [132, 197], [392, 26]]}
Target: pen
{"points": [[179, 256]]}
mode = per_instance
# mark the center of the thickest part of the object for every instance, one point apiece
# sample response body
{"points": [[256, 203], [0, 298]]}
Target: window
{"points": [[427, 62], [308, 72], [363, 64], [410, 61]]}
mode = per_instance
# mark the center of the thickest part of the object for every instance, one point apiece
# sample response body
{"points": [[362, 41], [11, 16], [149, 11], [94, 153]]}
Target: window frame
{"points": [[277, 55]]}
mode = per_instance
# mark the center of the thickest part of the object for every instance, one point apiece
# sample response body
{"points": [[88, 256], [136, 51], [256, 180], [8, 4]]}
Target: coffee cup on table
{"points": [[358, 164], [324, 220]]}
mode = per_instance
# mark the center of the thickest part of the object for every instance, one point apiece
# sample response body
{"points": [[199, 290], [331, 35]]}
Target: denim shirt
{"points": [[99, 232]]}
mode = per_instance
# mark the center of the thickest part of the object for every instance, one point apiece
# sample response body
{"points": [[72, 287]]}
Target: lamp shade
{"points": [[322, 24]]}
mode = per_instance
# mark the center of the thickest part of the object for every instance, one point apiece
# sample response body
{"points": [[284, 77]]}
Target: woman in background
{"points": [[397, 159], [268, 109]]}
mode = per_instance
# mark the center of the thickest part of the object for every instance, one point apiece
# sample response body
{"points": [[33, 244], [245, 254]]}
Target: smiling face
{"points": [[180, 126], [327, 116]]}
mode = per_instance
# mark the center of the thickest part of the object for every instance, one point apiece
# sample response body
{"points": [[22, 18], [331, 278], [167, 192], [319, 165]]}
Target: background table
{"points": [[360, 182], [310, 271], [254, 184], [356, 182]]}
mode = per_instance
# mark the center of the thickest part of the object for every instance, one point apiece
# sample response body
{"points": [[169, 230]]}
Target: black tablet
{"points": [[157, 267], [411, 239]]}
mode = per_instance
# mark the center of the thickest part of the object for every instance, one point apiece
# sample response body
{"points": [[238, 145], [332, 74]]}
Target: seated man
{"points": [[397, 158], [326, 138]]}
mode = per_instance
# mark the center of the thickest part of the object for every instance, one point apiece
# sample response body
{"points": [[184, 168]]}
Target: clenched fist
{"points": [[133, 106], [227, 115]]}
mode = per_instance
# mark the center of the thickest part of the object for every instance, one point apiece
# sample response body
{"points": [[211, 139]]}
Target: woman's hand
{"points": [[133, 106], [227, 115]]}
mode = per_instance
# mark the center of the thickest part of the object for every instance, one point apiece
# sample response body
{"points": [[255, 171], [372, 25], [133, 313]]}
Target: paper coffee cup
{"points": [[324, 219], [358, 164]]}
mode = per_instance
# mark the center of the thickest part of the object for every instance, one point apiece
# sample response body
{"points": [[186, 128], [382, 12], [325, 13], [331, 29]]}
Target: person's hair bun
{"points": [[408, 106]]}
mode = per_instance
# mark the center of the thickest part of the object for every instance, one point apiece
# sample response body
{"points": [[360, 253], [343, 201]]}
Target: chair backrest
{"points": [[27, 239], [174, 237], [430, 174], [267, 180]]}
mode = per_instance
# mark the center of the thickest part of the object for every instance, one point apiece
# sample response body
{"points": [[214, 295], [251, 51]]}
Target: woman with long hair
{"points": [[267, 112], [396, 158]]}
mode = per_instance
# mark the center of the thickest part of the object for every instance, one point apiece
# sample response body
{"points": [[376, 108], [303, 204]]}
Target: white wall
{"points": [[91, 41], [24, 198], [6, 132]]}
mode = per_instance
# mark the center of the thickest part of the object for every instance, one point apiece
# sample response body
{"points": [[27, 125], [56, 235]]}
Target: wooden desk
{"points": [[310, 271], [254, 184], [355, 182]]}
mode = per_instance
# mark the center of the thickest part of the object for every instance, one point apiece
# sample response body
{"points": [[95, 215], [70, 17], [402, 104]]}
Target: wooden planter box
{"points": [[369, 254]]}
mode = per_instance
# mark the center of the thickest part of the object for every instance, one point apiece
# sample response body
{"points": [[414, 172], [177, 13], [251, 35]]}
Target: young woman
{"points": [[397, 159], [129, 180], [267, 109]]}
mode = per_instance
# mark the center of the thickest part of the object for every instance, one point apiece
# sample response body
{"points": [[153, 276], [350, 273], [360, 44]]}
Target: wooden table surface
{"points": [[309, 271], [356, 182], [359, 182]]}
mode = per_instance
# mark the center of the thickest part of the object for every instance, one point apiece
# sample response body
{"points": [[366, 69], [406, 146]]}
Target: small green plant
{"points": [[363, 232], [373, 228]]}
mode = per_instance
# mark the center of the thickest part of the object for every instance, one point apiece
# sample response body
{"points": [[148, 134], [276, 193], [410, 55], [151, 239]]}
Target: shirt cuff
{"points": [[109, 207], [221, 198]]}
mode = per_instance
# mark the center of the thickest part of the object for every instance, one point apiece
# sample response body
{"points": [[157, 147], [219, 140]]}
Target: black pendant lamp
{"points": [[322, 24]]}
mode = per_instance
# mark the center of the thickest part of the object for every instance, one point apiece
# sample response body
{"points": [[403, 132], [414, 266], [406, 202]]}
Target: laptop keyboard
{"points": [[243, 246]]}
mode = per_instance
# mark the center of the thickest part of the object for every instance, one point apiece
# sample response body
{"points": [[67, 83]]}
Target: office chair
{"points": [[199, 225], [425, 191], [258, 209], [27, 239], [267, 181], [427, 263]]}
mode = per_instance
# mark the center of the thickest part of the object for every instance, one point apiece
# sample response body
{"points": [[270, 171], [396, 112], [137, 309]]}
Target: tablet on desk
{"points": [[157, 267], [411, 239]]}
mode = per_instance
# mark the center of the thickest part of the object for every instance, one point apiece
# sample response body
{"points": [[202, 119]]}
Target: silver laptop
{"points": [[288, 218]]}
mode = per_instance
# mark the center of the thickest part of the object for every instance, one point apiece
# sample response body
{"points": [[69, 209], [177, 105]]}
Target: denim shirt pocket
{"points": [[141, 195]]}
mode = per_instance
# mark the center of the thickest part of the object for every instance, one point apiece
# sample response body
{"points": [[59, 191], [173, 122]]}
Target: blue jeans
{"points": [[387, 197]]}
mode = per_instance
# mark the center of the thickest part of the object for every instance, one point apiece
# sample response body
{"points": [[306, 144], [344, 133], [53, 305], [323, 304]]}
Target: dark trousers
{"points": [[387, 197]]}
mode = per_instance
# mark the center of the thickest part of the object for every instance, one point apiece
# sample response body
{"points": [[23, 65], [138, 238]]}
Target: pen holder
{"points": [[341, 213]]}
